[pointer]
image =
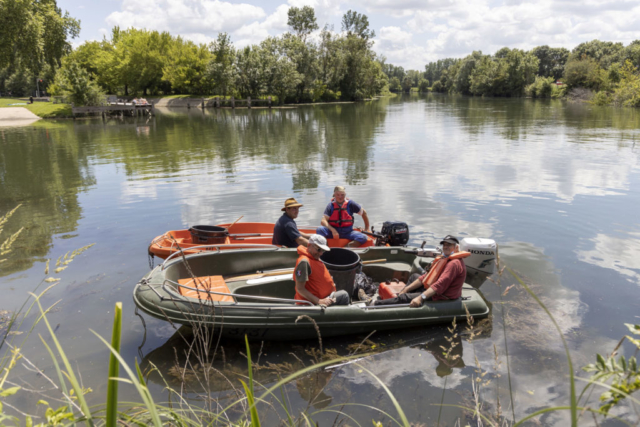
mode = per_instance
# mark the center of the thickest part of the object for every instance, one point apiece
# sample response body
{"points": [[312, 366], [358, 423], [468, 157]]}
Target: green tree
{"points": [[584, 72], [74, 82], [362, 76], [551, 60], [34, 36], [357, 24], [627, 94], [423, 85], [186, 67], [331, 63], [279, 72], [604, 53], [302, 21], [250, 72], [462, 79], [395, 85], [407, 83], [221, 69]]}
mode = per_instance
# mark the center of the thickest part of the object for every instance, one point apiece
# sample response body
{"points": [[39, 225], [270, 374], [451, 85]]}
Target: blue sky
{"points": [[409, 33]]}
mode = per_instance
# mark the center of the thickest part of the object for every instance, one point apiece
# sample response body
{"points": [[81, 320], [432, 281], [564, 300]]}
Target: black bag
{"points": [[365, 283]]}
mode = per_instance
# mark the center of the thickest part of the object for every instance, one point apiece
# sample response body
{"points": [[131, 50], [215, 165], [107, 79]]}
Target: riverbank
{"points": [[44, 110], [18, 116]]}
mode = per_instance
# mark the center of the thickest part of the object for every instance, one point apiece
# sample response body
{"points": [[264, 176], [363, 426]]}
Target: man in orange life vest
{"points": [[338, 218], [313, 281], [443, 281]]}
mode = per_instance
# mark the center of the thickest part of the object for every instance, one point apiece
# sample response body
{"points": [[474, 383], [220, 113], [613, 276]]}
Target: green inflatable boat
{"points": [[250, 292]]}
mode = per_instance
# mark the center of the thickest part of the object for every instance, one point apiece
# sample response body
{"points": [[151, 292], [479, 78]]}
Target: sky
{"points": [[409, 33]]}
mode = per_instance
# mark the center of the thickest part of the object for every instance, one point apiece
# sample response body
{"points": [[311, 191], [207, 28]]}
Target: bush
{"points": [[602, 98], [423, 85], [558, 91], [73, 82], [541, 87], [582, 73], [438, 87], [628, 92]]}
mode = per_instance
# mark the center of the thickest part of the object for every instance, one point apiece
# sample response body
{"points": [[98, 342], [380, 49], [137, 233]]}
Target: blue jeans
{"points": [[344, 233]]}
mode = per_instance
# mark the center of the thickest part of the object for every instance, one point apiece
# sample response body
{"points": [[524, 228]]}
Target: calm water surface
{"points": [[556, 185]]}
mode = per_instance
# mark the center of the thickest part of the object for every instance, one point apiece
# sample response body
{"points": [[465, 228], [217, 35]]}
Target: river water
{"points": [[557, 185]]}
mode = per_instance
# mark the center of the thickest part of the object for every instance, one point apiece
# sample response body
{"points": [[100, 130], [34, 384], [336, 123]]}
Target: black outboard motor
{"points": [[393, 233]]}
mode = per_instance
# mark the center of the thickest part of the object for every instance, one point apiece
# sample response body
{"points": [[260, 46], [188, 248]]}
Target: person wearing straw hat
{"points": [[338, 219], [285, 232], [313, 281]]}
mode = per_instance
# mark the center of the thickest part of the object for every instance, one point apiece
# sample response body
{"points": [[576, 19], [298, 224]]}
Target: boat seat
{"points": [[207, 283]]}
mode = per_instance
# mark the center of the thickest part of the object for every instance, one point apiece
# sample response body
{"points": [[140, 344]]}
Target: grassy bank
{"points": [[46, 110]]}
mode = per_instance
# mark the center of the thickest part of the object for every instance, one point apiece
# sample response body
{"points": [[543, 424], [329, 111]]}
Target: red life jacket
{"points": [[320, 283], [437, 267], [340, 217]]}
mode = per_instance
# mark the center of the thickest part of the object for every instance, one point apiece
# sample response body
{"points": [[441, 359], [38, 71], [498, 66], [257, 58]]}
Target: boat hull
{"points": [[158, 294], [242, 235]]}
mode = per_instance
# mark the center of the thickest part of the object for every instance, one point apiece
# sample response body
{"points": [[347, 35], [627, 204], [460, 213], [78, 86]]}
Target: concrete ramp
{"points": [[16, 116]]}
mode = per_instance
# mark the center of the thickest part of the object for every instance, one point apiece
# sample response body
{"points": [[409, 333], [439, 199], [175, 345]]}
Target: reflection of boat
{"points": [[181, 363], [222, 290], [247, 234]]}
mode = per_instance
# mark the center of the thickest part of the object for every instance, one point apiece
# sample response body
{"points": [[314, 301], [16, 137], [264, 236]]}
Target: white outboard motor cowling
{"points": [[483, 254]]}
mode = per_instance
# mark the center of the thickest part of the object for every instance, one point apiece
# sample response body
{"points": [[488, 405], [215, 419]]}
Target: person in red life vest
{"points": [[338, 218], [443, 281], [313, 281]]}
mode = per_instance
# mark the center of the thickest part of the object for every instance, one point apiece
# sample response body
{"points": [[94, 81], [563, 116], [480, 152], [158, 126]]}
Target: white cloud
{"points": [[409, 32], [615, 253], [185, 16]]}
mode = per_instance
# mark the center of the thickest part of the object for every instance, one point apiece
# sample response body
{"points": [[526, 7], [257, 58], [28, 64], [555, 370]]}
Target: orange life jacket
{"points": [[437, 267], [320, 283], [340, 217]]}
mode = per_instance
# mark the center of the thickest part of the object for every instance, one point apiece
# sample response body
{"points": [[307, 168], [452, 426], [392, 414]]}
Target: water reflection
{"points": [[184, 365], [44, 170]]}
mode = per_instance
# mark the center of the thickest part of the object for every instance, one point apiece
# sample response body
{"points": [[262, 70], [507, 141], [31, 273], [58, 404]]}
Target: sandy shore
{"points": [[16, 116]]}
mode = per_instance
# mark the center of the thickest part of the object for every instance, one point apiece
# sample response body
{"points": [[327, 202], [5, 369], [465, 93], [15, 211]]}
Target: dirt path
{"points": [[16, 116]]}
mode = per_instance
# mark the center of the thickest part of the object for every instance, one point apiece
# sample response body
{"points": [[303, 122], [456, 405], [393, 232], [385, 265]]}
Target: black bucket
{"points": [[208, 234], [343, 264]]}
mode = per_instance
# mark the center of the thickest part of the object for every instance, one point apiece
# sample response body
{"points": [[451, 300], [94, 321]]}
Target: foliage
{"points": [[623, 373], [627, 94], [551, 61], [221, 69], [542, 87], [302, 21], [602, 98], [73, 82], [603, 53], [583, 72], [423, 85], [34, 33]]}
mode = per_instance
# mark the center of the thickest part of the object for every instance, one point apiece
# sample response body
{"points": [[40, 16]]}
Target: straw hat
{"points": [[291, 203]]}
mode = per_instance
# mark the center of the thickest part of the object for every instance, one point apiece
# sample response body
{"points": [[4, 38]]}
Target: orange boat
{"points": [[226, 236]]}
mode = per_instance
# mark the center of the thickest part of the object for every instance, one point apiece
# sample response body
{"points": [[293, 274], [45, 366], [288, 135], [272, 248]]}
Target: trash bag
{"points": [[365, 283]]}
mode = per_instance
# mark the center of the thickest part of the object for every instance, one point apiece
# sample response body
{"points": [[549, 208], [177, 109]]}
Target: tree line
{"points": [[608, 70], [293, 67]]}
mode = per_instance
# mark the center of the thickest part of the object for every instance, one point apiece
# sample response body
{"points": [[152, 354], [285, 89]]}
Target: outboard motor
{"points": [[483, 254], [393, 233]]}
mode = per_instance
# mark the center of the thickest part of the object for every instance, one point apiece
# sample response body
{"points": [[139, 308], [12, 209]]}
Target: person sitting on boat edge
{"points": [[313, 281], [285, 232], [442, 282], [338, 218]]}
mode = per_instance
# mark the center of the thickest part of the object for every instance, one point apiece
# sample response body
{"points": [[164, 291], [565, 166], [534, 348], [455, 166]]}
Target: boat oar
{"points": [[279, 272], [234, 222]]}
